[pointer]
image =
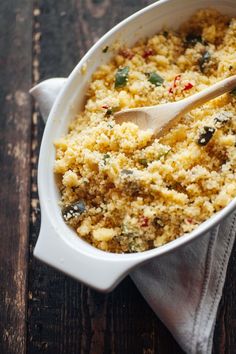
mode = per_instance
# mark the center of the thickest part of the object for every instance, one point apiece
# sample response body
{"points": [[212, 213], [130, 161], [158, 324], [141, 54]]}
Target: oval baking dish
{"points": [[58, 245]]}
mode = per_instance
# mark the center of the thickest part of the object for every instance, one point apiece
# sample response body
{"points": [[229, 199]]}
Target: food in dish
{"points": [[122, 189]]}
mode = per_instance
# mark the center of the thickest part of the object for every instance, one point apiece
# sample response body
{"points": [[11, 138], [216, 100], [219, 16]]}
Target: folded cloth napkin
{"points": [[183, 288]]}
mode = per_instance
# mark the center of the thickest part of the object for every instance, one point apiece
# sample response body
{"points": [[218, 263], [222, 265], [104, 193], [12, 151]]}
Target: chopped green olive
{"points": [[105, 49], [155, 79], [193, 38], [206, 136], [105, 157], [143, 162], [111, 111], [158, 223], [165, 34], [73, 210], [206, 56], [233, 92], [121, 77]]}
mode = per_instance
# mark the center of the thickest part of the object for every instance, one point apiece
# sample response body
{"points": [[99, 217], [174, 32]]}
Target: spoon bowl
{"points": [[162, 117]]}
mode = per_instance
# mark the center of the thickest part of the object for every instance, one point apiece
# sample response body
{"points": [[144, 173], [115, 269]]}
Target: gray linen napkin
{"points": [[183, 288]]}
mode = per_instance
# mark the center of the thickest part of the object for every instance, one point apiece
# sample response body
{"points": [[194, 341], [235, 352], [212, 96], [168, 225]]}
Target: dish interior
{"points": [[152, 22]]}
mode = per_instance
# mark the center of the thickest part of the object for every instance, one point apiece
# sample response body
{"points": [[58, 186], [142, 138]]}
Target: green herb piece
{"points": [[127, 172], [143, 162], [206, 136], [105, 157], [203, 60], [164, 153], [73, 210], [110, 125], [233, 92], [155, 79], [133, 188], [121, 77], [105, 49]]}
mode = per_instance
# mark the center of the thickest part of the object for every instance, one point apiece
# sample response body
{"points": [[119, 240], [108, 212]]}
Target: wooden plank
{"points": [[15, 81], [64, 316]]}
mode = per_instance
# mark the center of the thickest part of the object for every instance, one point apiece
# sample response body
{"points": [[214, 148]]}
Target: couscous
{"points": [[122, 189]]}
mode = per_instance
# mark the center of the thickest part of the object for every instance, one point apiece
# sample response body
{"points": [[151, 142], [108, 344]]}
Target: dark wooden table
{"points": [[42, 310]]}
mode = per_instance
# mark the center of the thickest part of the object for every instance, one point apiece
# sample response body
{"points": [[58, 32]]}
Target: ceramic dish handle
{"points": [[45, 94], [100, 271]]}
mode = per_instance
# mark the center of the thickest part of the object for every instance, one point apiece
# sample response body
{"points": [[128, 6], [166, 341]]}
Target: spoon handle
{"points": [[208, 94]]}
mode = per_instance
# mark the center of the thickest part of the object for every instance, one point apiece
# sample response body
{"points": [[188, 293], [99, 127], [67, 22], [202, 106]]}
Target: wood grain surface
{"points": [[42, 310], [15, 137]]}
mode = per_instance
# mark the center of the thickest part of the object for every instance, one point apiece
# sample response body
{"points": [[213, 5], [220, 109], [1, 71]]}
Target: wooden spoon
{"points": [[162, 117]]}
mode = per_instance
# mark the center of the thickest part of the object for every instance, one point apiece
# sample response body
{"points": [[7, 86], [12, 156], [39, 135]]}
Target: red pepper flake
{"points": [[175, 83], [188, 86], [148, 52], [190, 221], [126, 53], [105, 106], [144, 221], [177, 78]]}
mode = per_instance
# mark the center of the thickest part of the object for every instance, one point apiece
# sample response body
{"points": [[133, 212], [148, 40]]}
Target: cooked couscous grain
{"points": [[122, 189]]}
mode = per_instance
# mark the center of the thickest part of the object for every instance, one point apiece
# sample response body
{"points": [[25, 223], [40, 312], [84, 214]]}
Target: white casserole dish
{"points": [[58, 245]]}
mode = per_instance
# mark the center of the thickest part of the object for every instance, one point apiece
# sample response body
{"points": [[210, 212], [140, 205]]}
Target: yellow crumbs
{"points": [[123, 190]]}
